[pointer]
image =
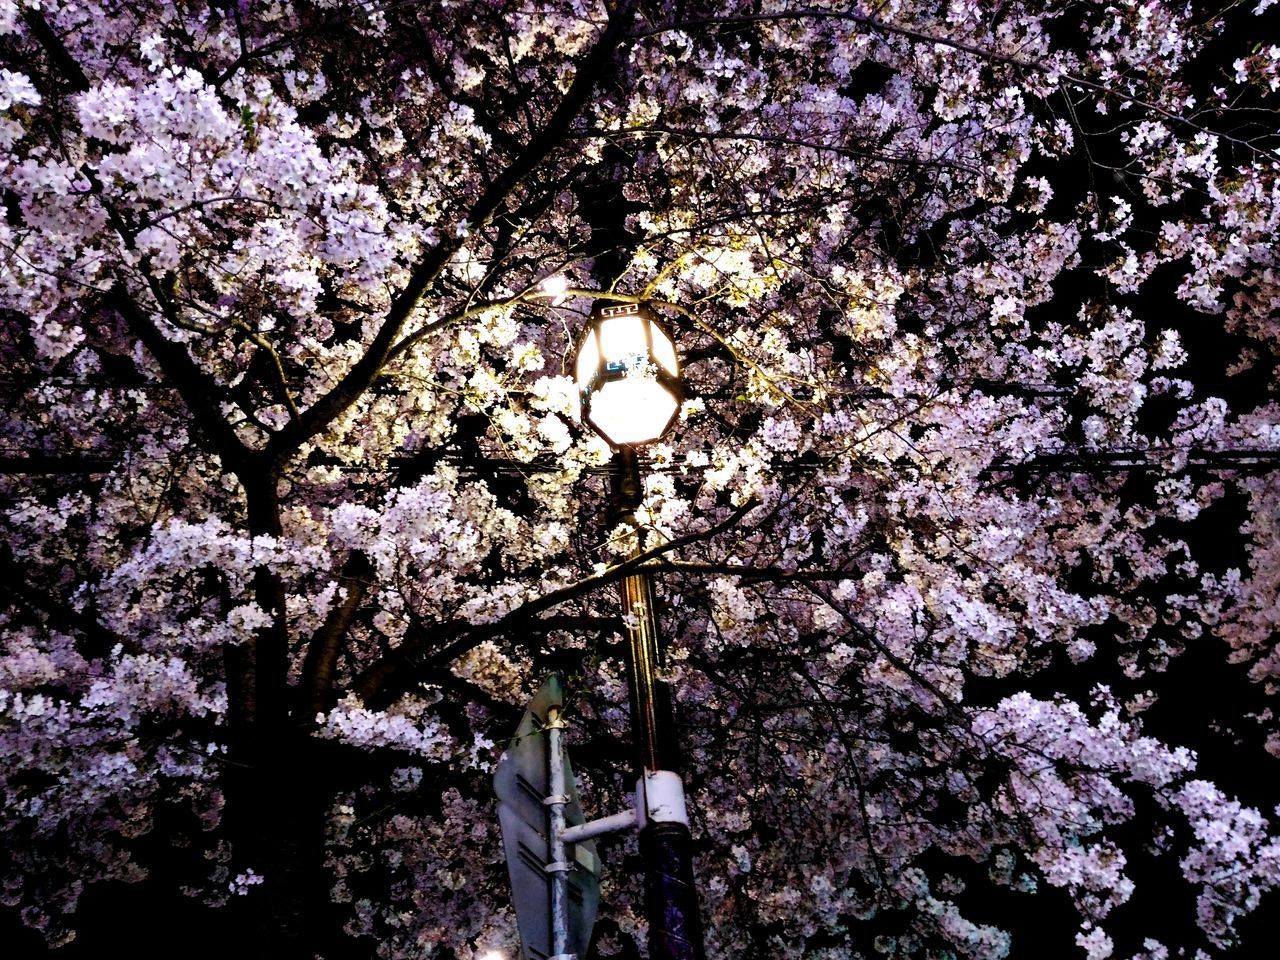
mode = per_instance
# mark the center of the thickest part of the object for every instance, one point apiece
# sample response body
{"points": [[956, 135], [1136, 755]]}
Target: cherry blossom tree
{"points": [[967, 537]]}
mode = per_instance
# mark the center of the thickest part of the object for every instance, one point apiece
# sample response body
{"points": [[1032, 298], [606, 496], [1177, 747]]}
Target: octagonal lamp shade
{"points": [[628, 375]]}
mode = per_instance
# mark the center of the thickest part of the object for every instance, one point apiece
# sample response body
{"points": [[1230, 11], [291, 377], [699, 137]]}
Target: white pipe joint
{"points": [[660, 798]]}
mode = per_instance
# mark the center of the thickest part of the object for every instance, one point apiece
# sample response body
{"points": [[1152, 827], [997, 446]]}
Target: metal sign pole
{"points": [[557, 865], [550, 848], [555, 885]]}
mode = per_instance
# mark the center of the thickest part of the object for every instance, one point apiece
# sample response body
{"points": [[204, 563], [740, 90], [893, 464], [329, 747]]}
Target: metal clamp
{"points": [[558, 866], [660, 798], [555, 798]]}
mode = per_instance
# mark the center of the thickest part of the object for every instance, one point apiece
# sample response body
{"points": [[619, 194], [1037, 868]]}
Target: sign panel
{"points": [[523, 782]]}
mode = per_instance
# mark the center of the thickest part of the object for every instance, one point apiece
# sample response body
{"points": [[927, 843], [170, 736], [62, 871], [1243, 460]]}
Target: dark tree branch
{"points": [[389, 676], [315, 695], [57, 464], [192, 384], [945, 701], [58, 54], [57, 615], [921, 36], [358, 379]]}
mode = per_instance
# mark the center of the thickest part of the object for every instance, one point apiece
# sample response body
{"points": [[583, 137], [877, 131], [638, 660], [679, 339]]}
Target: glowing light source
{"points": [[628, 375], [555, 287]]}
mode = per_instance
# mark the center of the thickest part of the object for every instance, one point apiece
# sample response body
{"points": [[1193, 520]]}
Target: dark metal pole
{"points": [[666, 846]]}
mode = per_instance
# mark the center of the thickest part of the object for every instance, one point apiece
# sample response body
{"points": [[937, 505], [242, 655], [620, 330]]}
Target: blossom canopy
{"points": [[965, 534]]}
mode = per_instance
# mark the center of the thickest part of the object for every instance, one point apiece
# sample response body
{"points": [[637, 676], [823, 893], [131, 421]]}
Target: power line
{"points": [[1156, 459]]}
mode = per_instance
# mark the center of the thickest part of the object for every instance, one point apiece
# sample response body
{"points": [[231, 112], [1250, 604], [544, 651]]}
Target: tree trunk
{"points": [[275, 800]]}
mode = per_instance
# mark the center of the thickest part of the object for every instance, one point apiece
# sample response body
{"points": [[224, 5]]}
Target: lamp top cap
{"points": [[620, 310]]}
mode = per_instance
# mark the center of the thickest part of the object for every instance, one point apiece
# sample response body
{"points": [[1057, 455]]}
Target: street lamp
{"points": [[628, 378], [628, 375]]}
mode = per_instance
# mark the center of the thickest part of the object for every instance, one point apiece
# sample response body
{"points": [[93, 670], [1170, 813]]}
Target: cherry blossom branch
{"points": [[944, 700], [474, 310], [386, 677], [1150, 458], [835, 716], [778, 140], [188, 379], [752, 573], [528, 295], [921, 36], [193, 385], [358, 379]]}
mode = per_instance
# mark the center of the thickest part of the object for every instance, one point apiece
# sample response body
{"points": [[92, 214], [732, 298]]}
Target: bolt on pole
{"points": [[666, 845]]}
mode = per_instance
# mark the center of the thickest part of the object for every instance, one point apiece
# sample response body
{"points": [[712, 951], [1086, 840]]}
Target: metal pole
{"points": [[666, 846], [555, 839]]}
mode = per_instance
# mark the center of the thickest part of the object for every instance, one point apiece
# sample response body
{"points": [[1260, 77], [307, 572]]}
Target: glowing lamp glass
{"points": [[588, 360], [632, 411], [623, 341], [664, 351], [628, 375]]}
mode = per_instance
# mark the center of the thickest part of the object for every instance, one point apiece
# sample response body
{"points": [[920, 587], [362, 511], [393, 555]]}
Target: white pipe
{"points": [[594, 828]]}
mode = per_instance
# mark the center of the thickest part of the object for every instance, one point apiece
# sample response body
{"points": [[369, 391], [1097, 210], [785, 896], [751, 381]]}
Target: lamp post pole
{"points": [[628, 376], [666, 845]]}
